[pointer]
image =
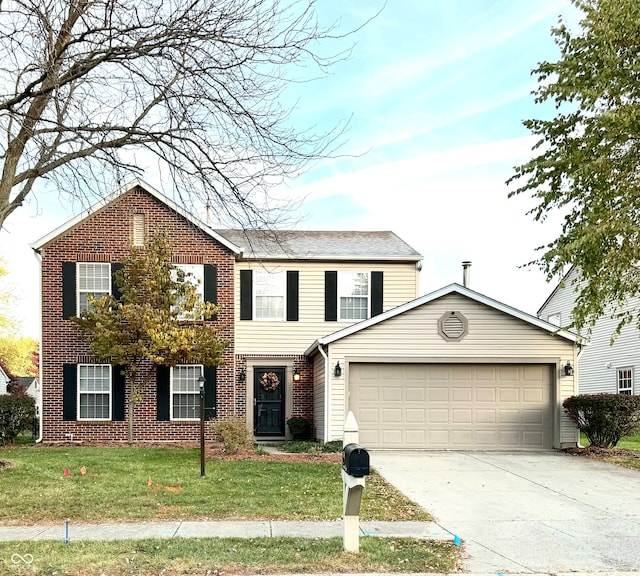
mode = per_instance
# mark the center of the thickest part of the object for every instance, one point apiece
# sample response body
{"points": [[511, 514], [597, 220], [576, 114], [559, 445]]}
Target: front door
{"points": [[268, 401]]}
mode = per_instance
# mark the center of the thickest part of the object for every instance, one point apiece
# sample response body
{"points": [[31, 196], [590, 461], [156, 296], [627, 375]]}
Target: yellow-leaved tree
{"points": [[156, 320]]}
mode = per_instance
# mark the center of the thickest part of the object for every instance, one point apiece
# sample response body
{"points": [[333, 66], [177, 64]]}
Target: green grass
{"points": [[629, 442], [625, 460], [137, 484], [234, 555]]}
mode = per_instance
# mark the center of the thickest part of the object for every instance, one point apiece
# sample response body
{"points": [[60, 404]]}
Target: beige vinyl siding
{"points": [[260, 337], [318, 395], [492, 336]]}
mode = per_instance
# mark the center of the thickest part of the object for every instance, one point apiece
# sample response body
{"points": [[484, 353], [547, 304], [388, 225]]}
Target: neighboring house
{"points": [[319, 323], [5, 380], [602, 367], [31, 387]]}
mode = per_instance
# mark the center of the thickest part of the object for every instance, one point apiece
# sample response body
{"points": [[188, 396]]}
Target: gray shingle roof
{"points": [[320, 245]]}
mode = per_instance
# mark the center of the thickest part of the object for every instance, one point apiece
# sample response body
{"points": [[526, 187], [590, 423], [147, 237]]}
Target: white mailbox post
{"points": [[352, 492]]}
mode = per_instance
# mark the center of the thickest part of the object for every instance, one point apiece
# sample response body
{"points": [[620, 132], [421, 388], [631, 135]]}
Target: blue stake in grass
{"points": [[456, 540], [66, 531]]}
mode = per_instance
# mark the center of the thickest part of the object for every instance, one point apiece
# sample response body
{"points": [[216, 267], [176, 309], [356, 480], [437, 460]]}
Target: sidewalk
{"points": [[219, 529]]}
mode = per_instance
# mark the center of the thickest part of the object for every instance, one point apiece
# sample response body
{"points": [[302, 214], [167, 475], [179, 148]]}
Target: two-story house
{"points": [[319, 323], [602, 366]]}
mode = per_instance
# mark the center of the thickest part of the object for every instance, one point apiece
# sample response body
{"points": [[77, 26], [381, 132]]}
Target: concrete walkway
{"points": [[218, 529]]}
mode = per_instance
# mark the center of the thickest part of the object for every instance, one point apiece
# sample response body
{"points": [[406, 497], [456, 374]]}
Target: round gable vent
{"points": [[452, 326]]}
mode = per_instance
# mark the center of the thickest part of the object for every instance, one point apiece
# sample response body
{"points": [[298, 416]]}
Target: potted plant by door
{"points": [[301, 427]]}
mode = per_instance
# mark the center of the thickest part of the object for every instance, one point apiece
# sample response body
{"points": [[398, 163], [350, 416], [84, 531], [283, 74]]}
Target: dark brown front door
{"points": [[268, 404]]}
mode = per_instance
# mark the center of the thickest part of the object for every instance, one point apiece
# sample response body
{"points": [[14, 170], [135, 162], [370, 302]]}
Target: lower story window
{"points": [[625, 380], [185, 392], [94, 391]]}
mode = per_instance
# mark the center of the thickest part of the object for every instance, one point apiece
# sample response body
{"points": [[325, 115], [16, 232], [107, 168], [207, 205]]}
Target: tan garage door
{"points": [[452, 406]]}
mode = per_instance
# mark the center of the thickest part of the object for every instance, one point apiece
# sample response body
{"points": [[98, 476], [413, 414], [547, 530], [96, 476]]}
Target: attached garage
{"points": [[453, 406], [452, 370]]}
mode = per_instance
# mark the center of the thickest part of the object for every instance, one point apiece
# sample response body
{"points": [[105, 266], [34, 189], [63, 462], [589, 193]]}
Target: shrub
{"points": [[301, 427], [16, 414], [604, 418], [234, 433]]}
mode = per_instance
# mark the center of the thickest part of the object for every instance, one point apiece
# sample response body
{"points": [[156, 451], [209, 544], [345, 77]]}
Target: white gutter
{"points": [[326, 392], [40, 402]]}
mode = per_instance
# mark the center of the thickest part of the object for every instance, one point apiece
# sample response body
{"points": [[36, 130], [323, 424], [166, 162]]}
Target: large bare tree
{"points": [[85, 85]]}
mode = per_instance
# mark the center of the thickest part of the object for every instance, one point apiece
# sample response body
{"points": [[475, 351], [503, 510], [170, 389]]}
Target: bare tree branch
{"points": [[84, 84]]}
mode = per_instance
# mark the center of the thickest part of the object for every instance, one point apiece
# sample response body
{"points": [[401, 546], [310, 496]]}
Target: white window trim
{"points": [[341, 274], [283, 285], [624, 390], [171, 392], [78, 291], [79, 394], [197, 279]]}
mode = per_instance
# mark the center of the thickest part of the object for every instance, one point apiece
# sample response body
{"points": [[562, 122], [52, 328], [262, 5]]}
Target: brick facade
{"points": [[106, 236]]}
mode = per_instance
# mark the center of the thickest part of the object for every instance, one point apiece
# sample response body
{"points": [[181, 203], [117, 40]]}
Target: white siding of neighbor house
{"points": [[599, 360], [492, 336], [400, 285]]}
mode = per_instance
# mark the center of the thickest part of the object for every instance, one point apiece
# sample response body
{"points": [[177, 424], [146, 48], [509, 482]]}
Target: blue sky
{"points": [[435, 93]]}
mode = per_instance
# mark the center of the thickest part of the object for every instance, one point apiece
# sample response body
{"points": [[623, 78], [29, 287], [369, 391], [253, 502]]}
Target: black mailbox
{"points": [[355, 460]]}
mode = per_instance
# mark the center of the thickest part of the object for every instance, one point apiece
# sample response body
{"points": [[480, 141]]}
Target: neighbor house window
{"points": [[138, 229], [194, 274], [353, 295], [555, 319], [94, 392], [185, 392], [625, 380], [269, 289], [94, 278]]}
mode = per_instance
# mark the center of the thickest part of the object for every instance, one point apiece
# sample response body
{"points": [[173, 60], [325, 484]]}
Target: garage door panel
{"points": [[392, 394], [452, 406]]}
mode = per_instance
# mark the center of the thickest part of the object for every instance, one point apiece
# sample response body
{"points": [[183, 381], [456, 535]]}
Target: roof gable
{"points": [[450, 289], [137, 183]]}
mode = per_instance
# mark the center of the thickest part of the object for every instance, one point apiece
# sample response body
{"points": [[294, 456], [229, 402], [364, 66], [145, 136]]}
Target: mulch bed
{"points": [[602, 453]]}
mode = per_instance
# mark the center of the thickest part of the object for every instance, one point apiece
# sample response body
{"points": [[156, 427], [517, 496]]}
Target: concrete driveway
{"points": [[525, 512]]}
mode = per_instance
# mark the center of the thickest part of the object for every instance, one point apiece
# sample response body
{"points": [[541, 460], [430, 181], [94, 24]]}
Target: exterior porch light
{"points": [[201, 382], [296, 375], [337, 371], [568, 369]]}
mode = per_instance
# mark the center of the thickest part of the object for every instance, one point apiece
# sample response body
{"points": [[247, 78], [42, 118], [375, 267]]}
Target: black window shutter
{"points": [[377, 293], [211, 286], [68, 290], [162, 393], [117, 393], [246, 295], [69, 392], [330, 296], [210, 395], [115, 290], [292, 295]]}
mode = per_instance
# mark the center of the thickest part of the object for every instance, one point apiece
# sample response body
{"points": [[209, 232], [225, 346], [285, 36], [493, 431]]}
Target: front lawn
{"points": [[135, 484], [182, 556]]}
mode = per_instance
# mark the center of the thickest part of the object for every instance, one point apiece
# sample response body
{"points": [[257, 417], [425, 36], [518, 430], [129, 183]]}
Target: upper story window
{"points": [[185, 392], [194, 274], [94, 278], [94, 392], [353, 295], [555, 319], [625, 380], [269, 289]]}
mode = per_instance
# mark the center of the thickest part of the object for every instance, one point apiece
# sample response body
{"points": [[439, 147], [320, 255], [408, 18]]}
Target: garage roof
{"points": [[450, 289]]}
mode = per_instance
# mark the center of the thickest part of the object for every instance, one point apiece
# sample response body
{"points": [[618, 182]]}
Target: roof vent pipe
{"points": [[466, 273]]}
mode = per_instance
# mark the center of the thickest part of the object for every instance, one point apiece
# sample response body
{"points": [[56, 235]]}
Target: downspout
{"points": [[40, 403], [326, 392]]}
